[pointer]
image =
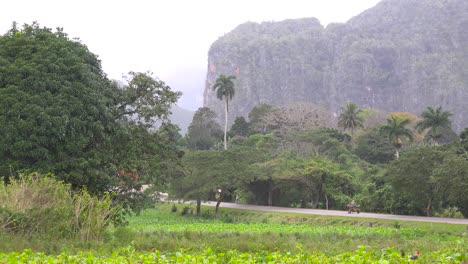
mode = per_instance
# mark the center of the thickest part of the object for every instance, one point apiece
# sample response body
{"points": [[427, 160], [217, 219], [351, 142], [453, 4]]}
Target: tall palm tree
{"points": [[224, 87], [349, 117], [395, 129], [435, 121]]}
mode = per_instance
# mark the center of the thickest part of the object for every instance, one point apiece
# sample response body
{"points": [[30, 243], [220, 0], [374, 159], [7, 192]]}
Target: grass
{"points": [[269, 231], [254, 231]]}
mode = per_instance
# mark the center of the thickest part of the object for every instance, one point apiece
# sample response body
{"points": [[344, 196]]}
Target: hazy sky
{"points": [[171, 38]]}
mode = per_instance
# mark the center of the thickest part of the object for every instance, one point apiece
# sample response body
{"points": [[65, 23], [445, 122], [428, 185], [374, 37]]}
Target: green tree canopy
{"points": [[60, 113], [349, 117], [203, 132], [372, 146], [431, 177], [240, 127], [257, 118], [396, 129], [435, 121]]}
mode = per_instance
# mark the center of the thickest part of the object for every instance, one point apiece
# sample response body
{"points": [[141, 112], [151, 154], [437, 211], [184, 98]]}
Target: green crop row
{"points": [[286, 228], [129, 255]]}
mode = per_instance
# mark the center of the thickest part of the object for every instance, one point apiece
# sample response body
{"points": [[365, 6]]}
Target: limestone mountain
{"points": [[401, 55]]}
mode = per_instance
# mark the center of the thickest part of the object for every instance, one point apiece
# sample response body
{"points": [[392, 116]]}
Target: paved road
{"points": [[340, 213]]}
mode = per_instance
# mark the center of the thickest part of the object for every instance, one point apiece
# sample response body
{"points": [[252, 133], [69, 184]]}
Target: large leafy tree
{"points": [[317, 179], [432, 177], [60, 113], [240, 127], [396, 130], [206, 172], [257, 118], [349, 117], [224, 87], [373, 147], [203, 133], [435, 121]]}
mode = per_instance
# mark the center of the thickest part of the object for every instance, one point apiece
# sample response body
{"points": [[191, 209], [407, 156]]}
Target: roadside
{"points": [[340, 213]]}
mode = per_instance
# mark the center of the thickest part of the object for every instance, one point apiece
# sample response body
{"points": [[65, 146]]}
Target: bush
{"points": [[450, 212], [185, 210], [174, 208], [39, 204]]}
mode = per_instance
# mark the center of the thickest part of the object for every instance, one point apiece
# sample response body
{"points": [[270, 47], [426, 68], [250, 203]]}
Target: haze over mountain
{"points": [[401, 55]]}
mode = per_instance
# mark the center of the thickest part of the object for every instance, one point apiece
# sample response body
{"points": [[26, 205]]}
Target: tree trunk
{"points": [[429, 208], [218, 202], [198, 206], [270, 193], [270, 197], [326, 201], [315, 201], [225, 123]]}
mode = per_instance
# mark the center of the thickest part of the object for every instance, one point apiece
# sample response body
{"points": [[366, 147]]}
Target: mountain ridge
{"points": [[396, 56]]}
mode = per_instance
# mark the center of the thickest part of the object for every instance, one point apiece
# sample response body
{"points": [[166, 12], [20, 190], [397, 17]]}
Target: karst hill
{"points": [[401, 55]]}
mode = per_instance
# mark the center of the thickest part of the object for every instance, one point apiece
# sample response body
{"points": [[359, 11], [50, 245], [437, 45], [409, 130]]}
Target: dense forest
{"points": [[294, 156]]}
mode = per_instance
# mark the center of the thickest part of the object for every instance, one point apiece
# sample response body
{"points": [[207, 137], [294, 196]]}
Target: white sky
{"points": [[171, 38]]}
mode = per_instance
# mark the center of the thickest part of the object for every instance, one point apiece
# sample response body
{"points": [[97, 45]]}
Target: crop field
{"points": [[128, 255], [173, 234]]}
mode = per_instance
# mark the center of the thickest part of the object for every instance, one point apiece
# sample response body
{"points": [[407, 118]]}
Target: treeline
{"points": [[300, 156]]}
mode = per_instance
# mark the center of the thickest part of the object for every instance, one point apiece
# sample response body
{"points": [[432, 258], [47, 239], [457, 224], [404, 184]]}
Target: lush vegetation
{"points": [[61, 114], [173, 233], [75, 149], [128, 255], [292, 156]]}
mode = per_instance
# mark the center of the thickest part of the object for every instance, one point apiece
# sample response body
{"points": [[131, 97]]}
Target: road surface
{"points": [[339, 213]]}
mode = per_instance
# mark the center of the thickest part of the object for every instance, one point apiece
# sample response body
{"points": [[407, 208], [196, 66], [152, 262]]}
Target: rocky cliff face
{"points": [[402, 55]]}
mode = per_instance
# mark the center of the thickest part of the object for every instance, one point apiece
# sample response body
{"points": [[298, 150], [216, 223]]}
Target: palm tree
{"points": [[349, 117], [224, 88], [435, 121], [395, 129]]}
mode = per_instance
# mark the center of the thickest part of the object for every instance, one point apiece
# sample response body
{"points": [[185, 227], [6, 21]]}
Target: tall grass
{"points": [[39, 204]]}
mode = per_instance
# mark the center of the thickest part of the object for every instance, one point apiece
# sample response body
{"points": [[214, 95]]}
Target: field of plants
{"points": [[361, 255], [171, 233]]}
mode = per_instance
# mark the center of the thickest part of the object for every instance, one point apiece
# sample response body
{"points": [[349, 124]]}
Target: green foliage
{"points": [[145, 99], [396, 129], [372, 146], [464, 138], [209, 255], [54, 101], [350, 117], [224, 88], [257, 116], [203, 132], [431, 176], [60, 114], [240, 127], [39, 204], [316, 178], [435, 121], [450, 212]]}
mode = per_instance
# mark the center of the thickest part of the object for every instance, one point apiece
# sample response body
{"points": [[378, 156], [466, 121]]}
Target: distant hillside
{"points": [[401, 55], [181, 117]]}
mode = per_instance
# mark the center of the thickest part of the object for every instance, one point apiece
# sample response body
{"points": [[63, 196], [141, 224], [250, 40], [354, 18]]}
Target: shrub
{"points": [[185, 210], [174, 208], [450, 212], [39, 204]]}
